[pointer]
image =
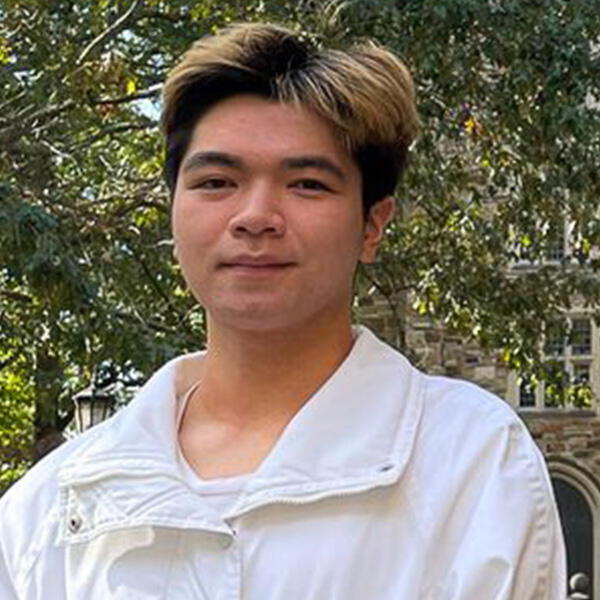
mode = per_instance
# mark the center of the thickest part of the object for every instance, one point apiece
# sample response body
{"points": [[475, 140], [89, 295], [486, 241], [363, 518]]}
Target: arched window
{"points": [[578, 528], [577, 494]]}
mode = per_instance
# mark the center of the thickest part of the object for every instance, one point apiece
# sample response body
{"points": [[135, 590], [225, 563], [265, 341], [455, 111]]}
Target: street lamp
{"points": [[92, 406]]}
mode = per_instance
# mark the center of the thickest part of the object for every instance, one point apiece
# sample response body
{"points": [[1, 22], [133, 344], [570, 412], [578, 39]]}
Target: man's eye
{"points": [[214, 183], [311, 184]]}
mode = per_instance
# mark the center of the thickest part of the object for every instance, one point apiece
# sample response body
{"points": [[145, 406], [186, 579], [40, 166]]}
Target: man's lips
{"points": [[260, 263]]}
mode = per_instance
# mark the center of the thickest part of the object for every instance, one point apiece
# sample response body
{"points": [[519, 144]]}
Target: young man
{"points": [[297, 457]]}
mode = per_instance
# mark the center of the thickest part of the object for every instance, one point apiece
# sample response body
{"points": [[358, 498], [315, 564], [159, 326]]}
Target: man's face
{"points": [[267, 217]]}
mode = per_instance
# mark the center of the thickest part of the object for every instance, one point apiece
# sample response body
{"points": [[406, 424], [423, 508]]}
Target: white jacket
{"points": [[387, 485]]}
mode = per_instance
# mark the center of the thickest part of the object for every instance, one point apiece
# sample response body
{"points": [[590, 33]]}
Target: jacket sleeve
{"points": [[506, 532], [7, 588], [28, 524]]}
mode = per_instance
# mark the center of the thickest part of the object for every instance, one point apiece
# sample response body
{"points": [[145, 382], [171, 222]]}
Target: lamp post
{"points": [[92, 406]]}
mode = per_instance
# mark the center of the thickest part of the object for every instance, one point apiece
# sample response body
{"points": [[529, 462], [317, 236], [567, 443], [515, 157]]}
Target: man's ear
{"points": [[380, 214]]}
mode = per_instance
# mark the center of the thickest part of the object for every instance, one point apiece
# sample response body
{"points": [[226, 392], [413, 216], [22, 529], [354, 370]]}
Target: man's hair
{"points": [[365, 92]]}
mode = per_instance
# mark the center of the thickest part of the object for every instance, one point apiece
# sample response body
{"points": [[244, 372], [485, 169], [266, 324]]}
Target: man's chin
{"points": [[258, 319]]}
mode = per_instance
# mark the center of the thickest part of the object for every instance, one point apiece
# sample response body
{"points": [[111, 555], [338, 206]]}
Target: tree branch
{"points": [[151, 91], [16, 296], [138, 319], [48, 111], [107, 33], [135, 198], [153, 281], [8, 102], [141, 204], [56, 109], [120, 128]]}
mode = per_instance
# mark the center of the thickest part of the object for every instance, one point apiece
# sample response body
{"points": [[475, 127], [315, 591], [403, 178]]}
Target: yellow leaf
{"points": [[526, 241], [4, 52], [470, 125], [131, 87], [586, 247]]}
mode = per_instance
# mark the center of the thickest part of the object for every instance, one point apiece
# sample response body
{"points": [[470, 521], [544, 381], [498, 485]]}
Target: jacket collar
{"points": [[355, 433]]}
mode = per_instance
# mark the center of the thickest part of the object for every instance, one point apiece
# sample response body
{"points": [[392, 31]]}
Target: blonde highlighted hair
{"points": [[365, 92]]}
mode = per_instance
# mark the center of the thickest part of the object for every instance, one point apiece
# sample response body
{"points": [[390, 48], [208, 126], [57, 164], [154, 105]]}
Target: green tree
{"points": [[510, 145], [16, 420]]}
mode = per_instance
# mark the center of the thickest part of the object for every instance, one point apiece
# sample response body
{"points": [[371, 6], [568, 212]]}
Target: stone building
{"points": [[569, 438]]}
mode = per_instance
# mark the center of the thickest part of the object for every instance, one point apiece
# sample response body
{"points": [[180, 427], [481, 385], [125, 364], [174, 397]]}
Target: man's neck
{"points": [[248, 376], [251, 385]]}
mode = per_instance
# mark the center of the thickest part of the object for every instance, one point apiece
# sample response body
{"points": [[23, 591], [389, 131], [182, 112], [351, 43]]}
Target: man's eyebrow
{"points": [[315, 162], [211, 158]]}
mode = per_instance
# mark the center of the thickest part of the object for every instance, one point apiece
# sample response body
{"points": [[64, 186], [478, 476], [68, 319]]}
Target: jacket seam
{"points": [[100, 468], [542, 509], [115, 525]]}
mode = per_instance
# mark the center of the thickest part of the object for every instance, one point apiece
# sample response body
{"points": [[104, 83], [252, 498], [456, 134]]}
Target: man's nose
{"points": [[260, 213]]}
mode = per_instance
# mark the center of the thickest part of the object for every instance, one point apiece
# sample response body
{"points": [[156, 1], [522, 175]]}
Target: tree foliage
{"points": [[509, 151], [16, 419], [507, 165]]}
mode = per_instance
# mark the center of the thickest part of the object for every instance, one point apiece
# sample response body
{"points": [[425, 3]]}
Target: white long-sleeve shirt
{"points": [[388, 484]]}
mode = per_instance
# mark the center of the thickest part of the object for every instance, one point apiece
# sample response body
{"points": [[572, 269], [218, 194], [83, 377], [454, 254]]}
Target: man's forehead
{"points": [[244, 127], [271, 117]]}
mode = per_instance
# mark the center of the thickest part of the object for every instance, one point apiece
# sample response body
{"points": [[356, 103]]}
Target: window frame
{"points": [[569, 361]]}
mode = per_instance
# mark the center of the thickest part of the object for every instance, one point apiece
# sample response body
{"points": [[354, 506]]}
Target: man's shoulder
{"points": [[458, 399], [464, 425], [460, 392], [30, 509], [478, 458], [38, 488], [456, 403], [438, 391], [153, 402], [451, 408], [468, 429]]}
